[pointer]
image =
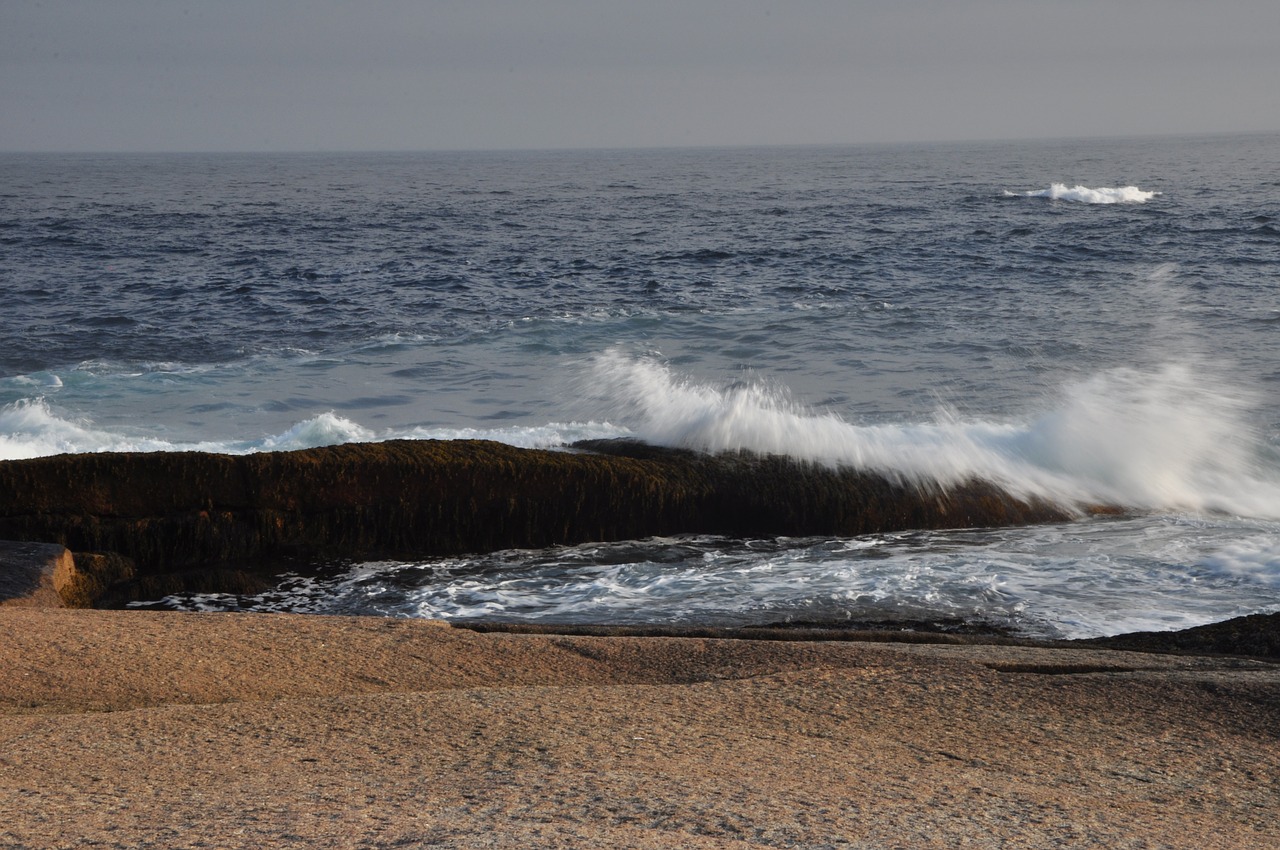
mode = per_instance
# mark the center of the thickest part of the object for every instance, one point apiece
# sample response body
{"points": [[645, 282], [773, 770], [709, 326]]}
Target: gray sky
{"points": [[109, 75]]}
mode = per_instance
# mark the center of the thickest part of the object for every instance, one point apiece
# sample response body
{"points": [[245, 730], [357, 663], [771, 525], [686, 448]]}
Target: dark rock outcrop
{"points": [[1257, 635], [183, 515]]}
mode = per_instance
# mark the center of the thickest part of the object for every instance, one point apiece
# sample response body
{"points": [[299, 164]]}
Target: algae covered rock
{"points": [[183, 513]]}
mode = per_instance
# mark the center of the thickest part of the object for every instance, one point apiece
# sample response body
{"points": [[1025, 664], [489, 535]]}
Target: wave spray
{"points": [[1163, 438]]}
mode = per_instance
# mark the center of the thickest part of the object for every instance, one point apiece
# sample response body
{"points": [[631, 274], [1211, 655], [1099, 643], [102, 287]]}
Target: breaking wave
{"points": [[1164, 438], [31, 428], [1169, 437], [1085, 195]]}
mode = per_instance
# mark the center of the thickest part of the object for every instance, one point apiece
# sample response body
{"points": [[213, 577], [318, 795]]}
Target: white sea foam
{"points": [[31, 428], [1255, 558], [1165, 438], [327, 429], [549, 436], [43, 380], [1085, 195], [28, 428], [1076, 580]]}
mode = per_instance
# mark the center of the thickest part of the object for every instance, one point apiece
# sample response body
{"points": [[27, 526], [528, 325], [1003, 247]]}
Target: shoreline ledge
{"points": [[182, 730], [143, 525]]}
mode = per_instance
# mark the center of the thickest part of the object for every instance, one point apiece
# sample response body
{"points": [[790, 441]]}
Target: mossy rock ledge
{"points": [[193, 520]]}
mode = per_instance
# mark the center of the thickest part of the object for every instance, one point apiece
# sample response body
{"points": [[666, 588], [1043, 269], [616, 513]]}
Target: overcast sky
{"points": [[115, 75]]}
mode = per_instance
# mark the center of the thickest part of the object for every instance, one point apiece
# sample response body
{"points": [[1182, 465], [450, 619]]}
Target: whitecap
{"points": [[30, 428], [42, 380], [1085, 195], [327, 429]]}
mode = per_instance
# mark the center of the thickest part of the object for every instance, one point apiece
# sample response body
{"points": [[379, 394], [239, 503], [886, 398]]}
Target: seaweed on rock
{"points": [[188, 513]]}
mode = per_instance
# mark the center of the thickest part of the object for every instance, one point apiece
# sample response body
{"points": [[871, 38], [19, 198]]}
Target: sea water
{"points": [[1089, 321]]}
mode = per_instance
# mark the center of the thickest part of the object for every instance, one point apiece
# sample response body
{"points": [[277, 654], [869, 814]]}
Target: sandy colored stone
{"points": [[146, 729], [34, 575]]}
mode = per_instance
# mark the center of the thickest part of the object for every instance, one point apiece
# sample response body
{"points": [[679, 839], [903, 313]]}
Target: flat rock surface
{"points": [[152, 729]]}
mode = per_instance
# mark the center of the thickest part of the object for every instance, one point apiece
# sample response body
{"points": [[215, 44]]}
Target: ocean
{"points": [[1088, 321]]}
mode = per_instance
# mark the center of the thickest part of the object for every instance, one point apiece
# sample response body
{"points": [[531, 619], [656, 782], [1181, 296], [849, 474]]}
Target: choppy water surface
{"points": [[1091, 321]]}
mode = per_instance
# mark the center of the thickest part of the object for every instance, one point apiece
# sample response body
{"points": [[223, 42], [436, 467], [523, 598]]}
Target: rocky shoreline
{"points": [[102, 530], [180, 730], [143, 525]]}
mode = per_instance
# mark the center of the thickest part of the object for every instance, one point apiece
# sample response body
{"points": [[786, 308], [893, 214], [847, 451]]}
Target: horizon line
{"points": [[620, 148]]}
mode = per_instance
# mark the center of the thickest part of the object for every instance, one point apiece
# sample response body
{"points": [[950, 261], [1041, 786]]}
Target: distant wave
{"points": [[1085, 195]]}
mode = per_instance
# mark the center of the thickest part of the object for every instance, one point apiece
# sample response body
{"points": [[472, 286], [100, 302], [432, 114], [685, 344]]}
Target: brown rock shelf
{"points": [[195, 520]]}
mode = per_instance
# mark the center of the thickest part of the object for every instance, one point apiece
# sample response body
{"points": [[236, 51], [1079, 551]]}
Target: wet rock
{"points": [[182, 515], [94, 574], [1256, 635]]}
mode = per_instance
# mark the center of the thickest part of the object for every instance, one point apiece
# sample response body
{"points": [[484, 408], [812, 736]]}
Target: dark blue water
{"points": [[934, 311]]}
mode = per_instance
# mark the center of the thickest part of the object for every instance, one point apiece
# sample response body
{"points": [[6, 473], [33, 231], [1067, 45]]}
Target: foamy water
{"points": [[1059, 581]]}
